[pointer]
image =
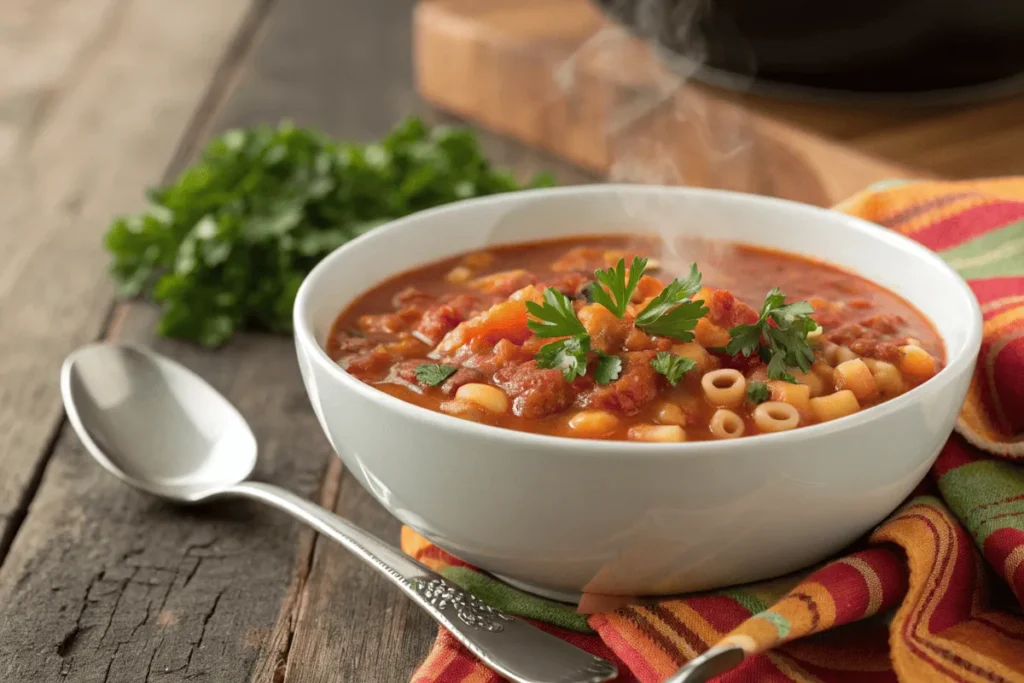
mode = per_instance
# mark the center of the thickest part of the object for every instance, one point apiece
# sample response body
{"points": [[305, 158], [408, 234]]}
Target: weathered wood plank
{"points": [[94, 96], [354, 625], [106, 584], [346, 68], [102, 583]]}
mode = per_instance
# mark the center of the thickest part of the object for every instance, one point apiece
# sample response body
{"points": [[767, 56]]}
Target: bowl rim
{"points": [[955, 366]]}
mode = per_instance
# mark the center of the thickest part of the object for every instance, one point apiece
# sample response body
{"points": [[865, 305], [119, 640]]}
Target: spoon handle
{"points": [[512, 647]]}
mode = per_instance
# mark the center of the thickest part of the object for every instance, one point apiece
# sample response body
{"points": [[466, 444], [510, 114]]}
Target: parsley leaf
{"points": [[672, 366], [567, 355], [556, 318], [226, 245], [674, 293], [671, 313], [608, 368], [758, 392], [678, 322], [432, 375], [619, 290], [779, 337]]}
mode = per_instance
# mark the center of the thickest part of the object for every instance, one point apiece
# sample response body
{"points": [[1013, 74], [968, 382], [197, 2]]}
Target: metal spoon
{"points": [[715, 661], [161, 428]]}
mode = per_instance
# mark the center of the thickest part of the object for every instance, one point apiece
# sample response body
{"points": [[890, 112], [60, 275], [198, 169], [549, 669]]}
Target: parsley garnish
{"points": [[758, 392], [556, 318], [779, 337], [671, 313], [567, 355], [433, 374], [227, 244], [619, 290], [608, 368], [672, 366]]}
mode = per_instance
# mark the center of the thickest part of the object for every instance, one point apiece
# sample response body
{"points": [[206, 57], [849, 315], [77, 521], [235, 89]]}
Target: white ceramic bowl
{"points": [[561, 515]]}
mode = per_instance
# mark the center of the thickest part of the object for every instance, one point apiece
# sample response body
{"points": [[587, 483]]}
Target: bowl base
{"points": [[570, 597]]}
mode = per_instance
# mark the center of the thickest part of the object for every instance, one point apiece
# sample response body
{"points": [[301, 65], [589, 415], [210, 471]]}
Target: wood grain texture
{"points": [[94, 95], [354, 625], [557, 75], [311, 65], [107, 584], [103, 584]]}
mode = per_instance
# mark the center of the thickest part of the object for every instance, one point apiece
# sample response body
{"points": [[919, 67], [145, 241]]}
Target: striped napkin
{"points": [[935, 594]]}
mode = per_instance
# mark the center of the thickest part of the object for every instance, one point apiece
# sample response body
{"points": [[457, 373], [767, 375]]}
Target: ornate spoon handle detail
{"points": [[512, 647]]}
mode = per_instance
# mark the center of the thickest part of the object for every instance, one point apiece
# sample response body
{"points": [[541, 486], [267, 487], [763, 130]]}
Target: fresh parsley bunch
{"points": [[227, 245]]}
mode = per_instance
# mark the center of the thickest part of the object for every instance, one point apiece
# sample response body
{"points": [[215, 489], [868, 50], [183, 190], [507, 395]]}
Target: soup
{"points": [[621, 338]]}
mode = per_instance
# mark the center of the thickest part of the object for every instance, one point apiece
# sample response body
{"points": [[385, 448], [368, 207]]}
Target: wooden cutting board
{"points": [[557, 75]]}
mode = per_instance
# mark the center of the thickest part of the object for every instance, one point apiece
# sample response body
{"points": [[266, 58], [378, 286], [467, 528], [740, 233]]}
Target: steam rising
{"points": [[659, 128]]}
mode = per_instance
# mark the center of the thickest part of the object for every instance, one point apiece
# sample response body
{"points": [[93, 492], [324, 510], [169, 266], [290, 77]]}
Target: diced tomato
{"points": [[636, 386], [404, 373], [438, 321], [827, 317], [503, 353], [535, 392], [368, 364], [726, 311], [874, 337], [879, 350]]}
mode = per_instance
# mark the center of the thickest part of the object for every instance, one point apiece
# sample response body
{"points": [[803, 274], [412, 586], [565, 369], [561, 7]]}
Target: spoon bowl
{"points": [[155, 424]]}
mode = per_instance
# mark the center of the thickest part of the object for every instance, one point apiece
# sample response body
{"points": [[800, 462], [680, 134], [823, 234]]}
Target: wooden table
{"points": [[99, 583], [102, 584]]}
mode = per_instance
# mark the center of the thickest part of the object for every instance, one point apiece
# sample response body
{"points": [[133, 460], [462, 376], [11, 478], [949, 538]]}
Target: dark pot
{"points": [[936, 48]]}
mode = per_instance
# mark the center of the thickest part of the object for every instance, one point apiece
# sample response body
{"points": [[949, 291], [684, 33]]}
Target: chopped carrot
{"points": [[503, 320]]}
